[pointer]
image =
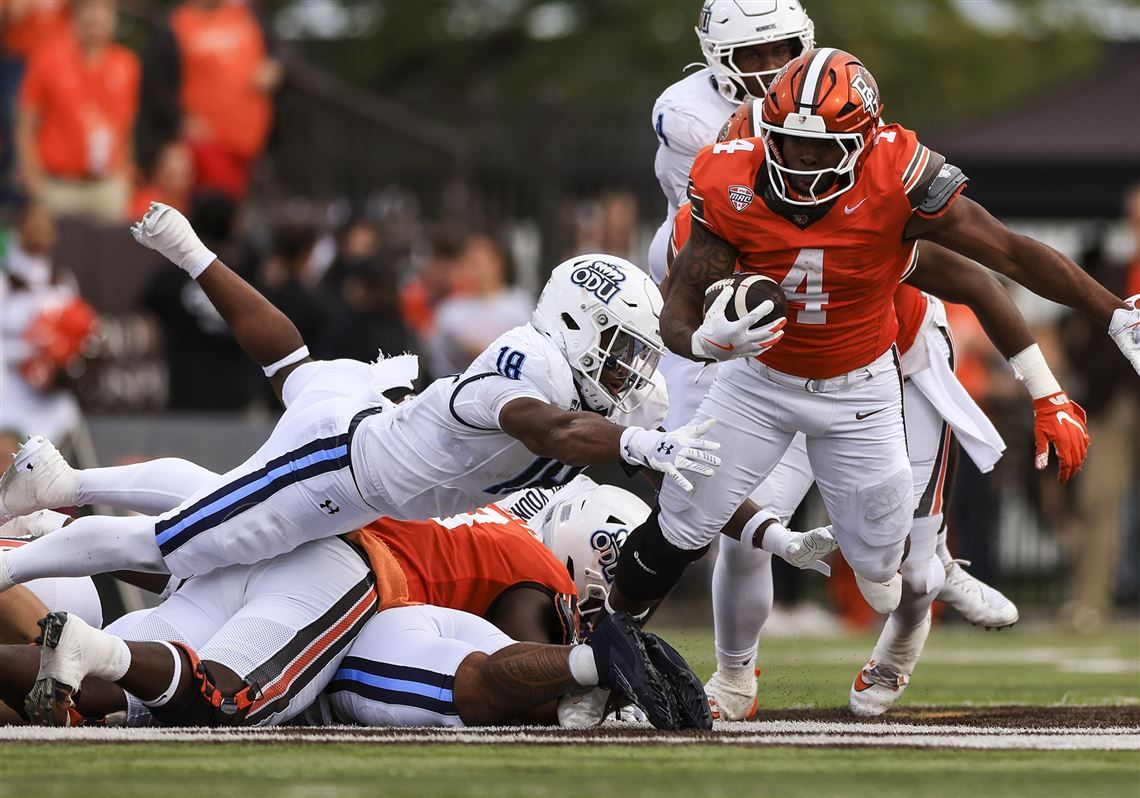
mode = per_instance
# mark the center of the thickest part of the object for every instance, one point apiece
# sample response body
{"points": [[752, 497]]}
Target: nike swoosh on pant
{"points": [[861, 416]]}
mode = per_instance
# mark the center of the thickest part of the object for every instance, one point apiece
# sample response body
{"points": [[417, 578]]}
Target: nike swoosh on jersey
{"points": [[860, 416], [850, 210], [728, 348]]}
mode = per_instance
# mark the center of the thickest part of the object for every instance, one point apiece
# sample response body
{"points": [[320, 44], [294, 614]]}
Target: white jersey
{"points": [[686, 117], [444, 452]]}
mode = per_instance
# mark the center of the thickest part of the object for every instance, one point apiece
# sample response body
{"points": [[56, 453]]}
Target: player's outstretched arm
{"points": [[263, 332], [579, 438], [967, 228], [1057, 419]]}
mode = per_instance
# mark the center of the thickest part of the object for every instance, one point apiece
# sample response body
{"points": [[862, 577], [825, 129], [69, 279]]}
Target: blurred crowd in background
{"points": [[92, 131]]}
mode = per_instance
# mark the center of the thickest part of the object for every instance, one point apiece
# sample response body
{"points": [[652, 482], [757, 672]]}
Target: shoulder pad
{"points": [[942, 189]]}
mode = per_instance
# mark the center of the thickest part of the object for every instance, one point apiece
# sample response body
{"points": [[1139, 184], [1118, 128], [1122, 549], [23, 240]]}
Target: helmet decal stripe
{"points": [[756, 111], [816, 70]]}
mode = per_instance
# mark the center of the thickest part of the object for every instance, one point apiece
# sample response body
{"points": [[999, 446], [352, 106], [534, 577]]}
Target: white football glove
{"points": [[1124, 329], [166, 230], [720, 339], [683, 449], [802, 549]]}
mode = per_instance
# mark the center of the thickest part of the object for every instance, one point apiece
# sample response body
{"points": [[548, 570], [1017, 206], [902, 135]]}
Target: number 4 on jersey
{"points": [[734, 145], [806, 273]]}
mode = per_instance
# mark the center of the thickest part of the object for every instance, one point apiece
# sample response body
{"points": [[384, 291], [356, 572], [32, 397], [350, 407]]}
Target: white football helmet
{"points": [[725, 25], [603, 314], [585, 526]]}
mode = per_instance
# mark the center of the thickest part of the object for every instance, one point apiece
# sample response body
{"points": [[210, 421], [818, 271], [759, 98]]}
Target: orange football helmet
{"points": [[741, 124], [822, 94]]}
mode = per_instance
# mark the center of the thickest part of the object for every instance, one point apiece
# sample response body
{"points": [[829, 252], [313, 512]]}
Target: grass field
{"points": [[960, 670]]}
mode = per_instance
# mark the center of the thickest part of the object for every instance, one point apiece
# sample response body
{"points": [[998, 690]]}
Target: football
{"points": [[749, 292]]}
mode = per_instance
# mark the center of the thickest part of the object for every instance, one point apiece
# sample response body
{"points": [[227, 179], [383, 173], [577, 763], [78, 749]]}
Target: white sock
{"points": [[87, 546], [583, 667], [921, 583], [150, 488], [742, 602]]}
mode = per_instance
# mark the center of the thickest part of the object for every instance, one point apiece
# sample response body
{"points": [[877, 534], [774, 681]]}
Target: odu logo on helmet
{"points": [[599, 278], [608, 545]]}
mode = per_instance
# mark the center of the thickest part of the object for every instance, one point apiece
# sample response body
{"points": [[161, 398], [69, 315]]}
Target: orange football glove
{"points": [[1060, 421]]}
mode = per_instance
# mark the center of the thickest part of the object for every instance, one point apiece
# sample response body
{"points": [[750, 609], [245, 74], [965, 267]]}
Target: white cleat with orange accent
{"points": [[882, 681], [732, 694]]}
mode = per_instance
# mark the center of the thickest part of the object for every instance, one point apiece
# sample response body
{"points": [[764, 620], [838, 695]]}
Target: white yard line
{"points": [[762, 733]]}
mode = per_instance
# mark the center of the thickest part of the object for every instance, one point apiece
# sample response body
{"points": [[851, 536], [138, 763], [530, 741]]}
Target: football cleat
{"points": [[38, 479], [733, 697], [625, 667], [881, 682], [692, 704], [976, 601], [34, 525], [882, 597]]}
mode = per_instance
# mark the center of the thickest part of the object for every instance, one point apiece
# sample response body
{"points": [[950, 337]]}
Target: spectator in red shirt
{"points": [[76, 114], [210, 80]]}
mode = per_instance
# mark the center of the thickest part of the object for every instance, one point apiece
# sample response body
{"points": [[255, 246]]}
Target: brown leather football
{"points": [[749, 291]]}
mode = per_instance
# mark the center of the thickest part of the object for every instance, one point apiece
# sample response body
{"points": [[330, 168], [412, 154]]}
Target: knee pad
{"points": [[877, 564], [649, 565], [886, 509], [203, 703]]}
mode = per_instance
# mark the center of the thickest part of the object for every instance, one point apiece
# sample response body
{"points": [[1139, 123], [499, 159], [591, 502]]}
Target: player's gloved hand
{"points": [[804, 550], [683, 449], [1124, 329], [720, 339], [1059, 421], [166, 230]]}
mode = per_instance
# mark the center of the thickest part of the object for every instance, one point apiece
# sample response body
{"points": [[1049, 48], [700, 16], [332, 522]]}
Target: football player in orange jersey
{"points": [[487, 562], [938, 414], [825, 201]]}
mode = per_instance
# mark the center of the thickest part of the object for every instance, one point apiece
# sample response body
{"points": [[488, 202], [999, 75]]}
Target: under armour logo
{"points": [[664, 448], [328, 506]]}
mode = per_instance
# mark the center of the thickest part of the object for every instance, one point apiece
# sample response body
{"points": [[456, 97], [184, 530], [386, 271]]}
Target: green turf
{"points": [[243, 771], [960, 668]]}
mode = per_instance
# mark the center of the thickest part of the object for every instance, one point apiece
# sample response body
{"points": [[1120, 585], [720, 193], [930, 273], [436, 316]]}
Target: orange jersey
{"points": [[910, 310], [467, 561], [909, 302], [221, 50], [85, 110], [839, 273]]}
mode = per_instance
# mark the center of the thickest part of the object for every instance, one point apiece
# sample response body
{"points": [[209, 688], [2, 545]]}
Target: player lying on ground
{"points": [[487, 562], [834, 374]]}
